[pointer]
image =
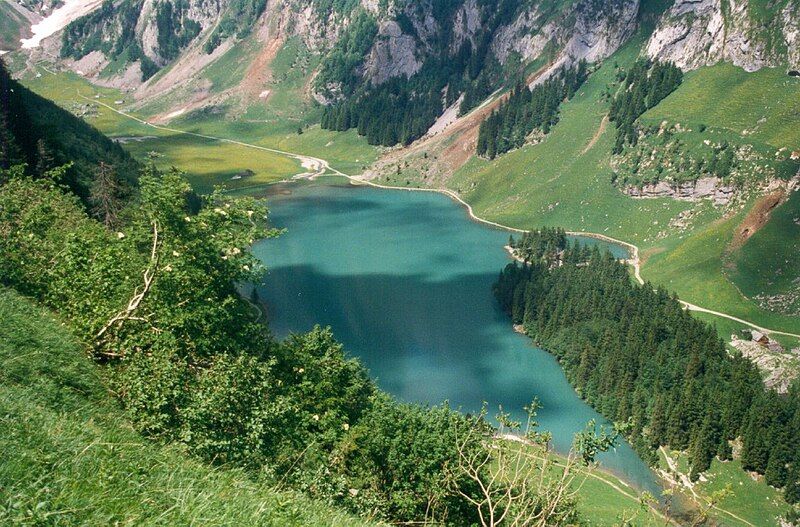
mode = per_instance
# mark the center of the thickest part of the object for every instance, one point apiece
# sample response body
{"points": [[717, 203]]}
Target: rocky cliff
{"points": [[749, 33], [149, 35], [126, 42]]}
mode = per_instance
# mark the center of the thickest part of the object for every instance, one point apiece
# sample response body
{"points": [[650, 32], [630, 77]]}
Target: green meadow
{"points": [[563, 181], [71, 457], [747, 501]]}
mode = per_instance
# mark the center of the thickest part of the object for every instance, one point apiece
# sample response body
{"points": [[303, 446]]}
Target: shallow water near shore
{"points": [[405, 281]]}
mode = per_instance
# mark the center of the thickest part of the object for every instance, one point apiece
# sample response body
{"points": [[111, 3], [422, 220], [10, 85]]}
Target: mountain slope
{"points": [[72, 458], [751, 34], [44, 136]]}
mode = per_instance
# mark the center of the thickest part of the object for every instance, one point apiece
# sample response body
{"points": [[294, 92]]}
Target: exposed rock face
{"points": [[393, 55], [779, 367], [695, 33], [601, 28], [691, 33], [704, 188], [587, 30]]}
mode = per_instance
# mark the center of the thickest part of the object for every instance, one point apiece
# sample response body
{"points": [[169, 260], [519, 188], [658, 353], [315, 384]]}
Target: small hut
{"points": [[757, 336]]}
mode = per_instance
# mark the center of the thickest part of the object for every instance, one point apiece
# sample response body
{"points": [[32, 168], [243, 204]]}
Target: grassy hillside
{"points": [[70, 457], [762, 106], [13, 26], [41, 129], [271, 122], [747, 501], [767, 266], [566, 181]]}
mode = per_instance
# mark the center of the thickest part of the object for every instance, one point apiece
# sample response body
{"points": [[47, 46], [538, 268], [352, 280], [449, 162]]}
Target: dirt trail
{"points": [[316, 166], [596, 136], [684, 481], [320, 167]]}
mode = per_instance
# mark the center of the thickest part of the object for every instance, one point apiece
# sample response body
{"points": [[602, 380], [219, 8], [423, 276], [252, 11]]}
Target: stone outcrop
{"points": [[779, 367], [394, 54], [694, 33], [703, 188]]}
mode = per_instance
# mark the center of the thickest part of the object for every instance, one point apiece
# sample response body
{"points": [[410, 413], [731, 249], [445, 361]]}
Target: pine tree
{"points": [[44, 158], [106, 195], [777, 471], [703, 448]]}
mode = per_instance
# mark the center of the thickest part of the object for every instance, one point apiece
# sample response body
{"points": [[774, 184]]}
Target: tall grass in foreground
{"points": [[69, 457]]}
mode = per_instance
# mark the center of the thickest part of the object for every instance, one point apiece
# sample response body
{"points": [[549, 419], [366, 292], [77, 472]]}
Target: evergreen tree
{"points": [[703, 448], [626, 347], [106, 195], [44, 158]]}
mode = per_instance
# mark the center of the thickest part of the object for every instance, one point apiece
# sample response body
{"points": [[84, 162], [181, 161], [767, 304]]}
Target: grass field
{"points": [[11, 26], [763, 105], [775, 247], [207, 162], [273, 123], [751, 502], [70, 457], [564, 182]]}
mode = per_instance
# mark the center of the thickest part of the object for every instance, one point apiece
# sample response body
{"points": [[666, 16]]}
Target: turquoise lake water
{"points": [[404, 279]]}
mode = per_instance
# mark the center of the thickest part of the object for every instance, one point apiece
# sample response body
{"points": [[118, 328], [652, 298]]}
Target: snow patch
{"points": [[58, 20]]}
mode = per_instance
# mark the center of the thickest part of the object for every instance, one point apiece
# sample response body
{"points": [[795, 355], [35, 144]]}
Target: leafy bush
{"points": [[156, 301]]}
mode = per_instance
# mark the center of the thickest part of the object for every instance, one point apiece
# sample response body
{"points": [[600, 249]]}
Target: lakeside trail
{"points": [[318, 167], [315, 165], [684, 481]]}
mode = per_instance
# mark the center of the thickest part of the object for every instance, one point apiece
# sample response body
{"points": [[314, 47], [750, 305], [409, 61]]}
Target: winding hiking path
{"points": [[315, 164], [318, 167]]}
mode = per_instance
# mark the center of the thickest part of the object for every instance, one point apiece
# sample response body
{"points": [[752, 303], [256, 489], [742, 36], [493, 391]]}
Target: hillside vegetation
{"points": [[44, 136], [72, 458], [152, 297], [13, 26]]}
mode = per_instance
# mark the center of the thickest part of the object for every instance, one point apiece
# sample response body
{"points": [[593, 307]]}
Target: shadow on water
{"points": [[423, 341], [405, 281]]}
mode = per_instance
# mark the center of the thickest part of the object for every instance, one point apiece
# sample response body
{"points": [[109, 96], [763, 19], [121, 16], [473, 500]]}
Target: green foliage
{"points": [[761, 105], [237, 20], [97, 32], [38, 133], [527, 110], [71, 457], [398, 459], [545, 244], [175, 29], [634, 354], [93, 32], [157, 301], [339, 67], [644, 85], [665, 153], [401, 110]]}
